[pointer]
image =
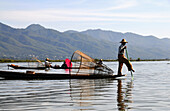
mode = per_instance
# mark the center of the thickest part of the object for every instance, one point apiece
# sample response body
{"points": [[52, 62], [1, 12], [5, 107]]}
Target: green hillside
{"points": [[41, 42], [38, 41]]}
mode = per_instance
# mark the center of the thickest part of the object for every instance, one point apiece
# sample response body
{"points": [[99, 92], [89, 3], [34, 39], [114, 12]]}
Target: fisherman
{"points": [[122, 59], [64, 65], [100, 61], [47, 63]]}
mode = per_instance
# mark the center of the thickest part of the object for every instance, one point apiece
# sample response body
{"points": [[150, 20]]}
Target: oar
{"points": [[129, 61]]}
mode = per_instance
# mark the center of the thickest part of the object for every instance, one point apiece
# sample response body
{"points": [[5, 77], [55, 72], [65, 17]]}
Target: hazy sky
{"points": [[145, 17]]}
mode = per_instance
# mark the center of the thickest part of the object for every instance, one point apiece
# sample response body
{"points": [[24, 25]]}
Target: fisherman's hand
{"points": [[125, 47]]}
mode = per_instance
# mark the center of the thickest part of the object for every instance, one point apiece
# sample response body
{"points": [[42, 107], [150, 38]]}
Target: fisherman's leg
{"points": [[129, 65], [127, 62], [120, 68]]}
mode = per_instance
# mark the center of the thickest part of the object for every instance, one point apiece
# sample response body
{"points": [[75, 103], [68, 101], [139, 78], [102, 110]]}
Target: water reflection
{"points": [[124, 95], [66, 95], [94, 95], [81, 92], [97, 95]]}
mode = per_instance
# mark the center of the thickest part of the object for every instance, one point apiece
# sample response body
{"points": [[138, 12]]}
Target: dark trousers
{"points": [[122, 59]]}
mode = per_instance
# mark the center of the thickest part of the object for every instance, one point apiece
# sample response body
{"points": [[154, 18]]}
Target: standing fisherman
{"points": [[122, 59]]}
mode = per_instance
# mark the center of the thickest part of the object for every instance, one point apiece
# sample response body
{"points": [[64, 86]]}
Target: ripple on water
{"points": [[149, 91]]}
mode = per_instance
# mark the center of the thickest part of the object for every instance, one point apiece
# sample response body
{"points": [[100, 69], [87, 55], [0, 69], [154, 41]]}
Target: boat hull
{"points": [[48, 76], [22, 67], [38, 68]]}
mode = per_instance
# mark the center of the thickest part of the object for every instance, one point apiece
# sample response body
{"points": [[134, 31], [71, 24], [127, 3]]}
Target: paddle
{"points": [[129, 61]]}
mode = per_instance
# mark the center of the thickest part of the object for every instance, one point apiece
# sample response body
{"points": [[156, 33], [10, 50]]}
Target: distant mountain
{"points": [[36, 40], [145, 47], [35, 27], [105, 35]]}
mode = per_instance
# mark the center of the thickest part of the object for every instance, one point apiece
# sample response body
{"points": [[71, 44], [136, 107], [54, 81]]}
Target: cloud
{"points": [[157, 3], [74, 15], [77, 2], [122, 4], [89, 14]]}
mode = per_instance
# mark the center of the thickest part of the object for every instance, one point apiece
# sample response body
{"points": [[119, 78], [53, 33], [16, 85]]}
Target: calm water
{"points": [[150, 90]]}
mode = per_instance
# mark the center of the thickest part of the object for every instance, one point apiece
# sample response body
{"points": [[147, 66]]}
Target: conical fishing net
{"points": [[84, 64]]}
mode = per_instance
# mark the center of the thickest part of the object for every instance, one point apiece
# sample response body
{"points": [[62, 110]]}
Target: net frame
{"points": [[84, 64]]}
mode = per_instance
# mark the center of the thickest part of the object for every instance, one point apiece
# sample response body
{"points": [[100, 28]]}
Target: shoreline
{"points": [[105, 60]]}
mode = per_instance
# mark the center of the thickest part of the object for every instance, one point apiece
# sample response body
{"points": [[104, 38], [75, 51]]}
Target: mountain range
{"points": [[38, 41]]}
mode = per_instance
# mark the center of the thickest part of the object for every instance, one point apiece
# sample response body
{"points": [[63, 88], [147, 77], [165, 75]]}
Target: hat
{"points": [[47, 59], [123, 41]]}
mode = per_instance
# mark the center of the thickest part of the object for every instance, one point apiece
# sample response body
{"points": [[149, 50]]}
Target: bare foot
{"points": [[133, 70]]}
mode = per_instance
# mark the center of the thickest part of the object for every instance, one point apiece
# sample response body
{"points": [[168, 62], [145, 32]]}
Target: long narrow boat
{"points": [[34, 67], [31, 75], [25, 67], [81, 65], [38, 68]]}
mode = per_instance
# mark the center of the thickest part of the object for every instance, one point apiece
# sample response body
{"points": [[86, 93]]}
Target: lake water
{"points": [[150, 90]]}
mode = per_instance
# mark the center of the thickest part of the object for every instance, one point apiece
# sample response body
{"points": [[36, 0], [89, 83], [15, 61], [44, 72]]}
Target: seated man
{"points": [[47, 63], [64, 65]]}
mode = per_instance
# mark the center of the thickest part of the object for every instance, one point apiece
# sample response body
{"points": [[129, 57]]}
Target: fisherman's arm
{"points": [[122, 48]]}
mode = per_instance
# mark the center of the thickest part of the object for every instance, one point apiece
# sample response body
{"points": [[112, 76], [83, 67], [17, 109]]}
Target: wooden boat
{"points": [[24, 67], [30, 75], [82, 66], [38, 68]]}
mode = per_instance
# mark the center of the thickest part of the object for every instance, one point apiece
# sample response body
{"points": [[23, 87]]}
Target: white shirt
{"points": [[47, 63], [121, 50]]}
